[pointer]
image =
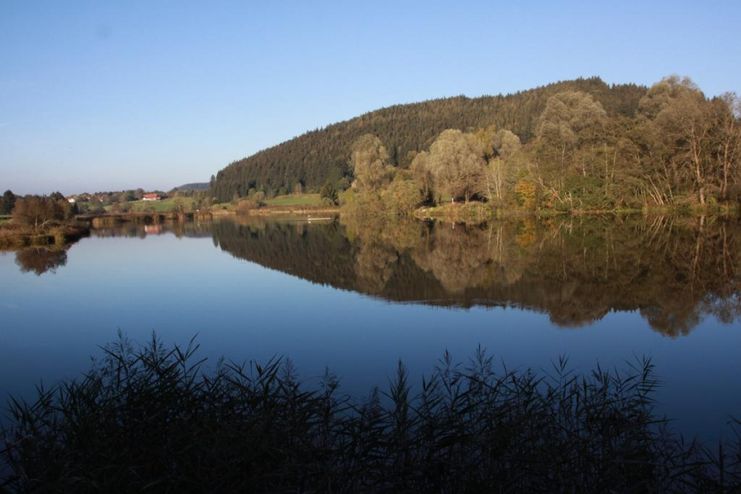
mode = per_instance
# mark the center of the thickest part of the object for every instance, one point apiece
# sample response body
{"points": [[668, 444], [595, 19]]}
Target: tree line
{"points": [[680, 149]]}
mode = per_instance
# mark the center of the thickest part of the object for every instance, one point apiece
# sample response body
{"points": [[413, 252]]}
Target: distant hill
{"points": [[196, 186], [323, 154]]}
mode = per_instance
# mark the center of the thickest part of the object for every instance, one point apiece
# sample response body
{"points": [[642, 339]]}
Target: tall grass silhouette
{"points": [[151, 418]]}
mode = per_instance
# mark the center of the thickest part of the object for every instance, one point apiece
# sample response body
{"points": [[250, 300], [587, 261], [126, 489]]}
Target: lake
{"points": [[357, 295]]}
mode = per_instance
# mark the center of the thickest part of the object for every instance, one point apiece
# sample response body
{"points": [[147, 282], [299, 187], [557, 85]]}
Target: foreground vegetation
{"points": [[153, 418]]}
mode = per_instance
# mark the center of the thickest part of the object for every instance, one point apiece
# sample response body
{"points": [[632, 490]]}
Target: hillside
{"points": [[192, 187], [323, 154]]}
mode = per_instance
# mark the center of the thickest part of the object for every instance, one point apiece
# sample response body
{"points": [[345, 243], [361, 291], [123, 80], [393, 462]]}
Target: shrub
{"points": [[328, 193], [527, 194]]}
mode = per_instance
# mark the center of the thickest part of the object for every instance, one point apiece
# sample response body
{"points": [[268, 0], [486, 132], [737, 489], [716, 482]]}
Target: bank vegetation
{"points": [[679, 152], [39, 221]]}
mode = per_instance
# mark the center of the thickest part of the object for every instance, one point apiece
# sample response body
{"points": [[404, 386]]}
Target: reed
{"points": [[151, 418]]}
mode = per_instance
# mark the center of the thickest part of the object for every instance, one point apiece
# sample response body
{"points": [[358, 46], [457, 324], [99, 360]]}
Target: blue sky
{"points": [[109, 95]]}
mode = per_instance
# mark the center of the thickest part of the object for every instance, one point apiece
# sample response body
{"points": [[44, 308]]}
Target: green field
{"points": [[4, 218], [309, 200], [163, 206]]}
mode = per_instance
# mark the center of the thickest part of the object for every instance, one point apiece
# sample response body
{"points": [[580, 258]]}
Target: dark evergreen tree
{"points": [[7, 202]]}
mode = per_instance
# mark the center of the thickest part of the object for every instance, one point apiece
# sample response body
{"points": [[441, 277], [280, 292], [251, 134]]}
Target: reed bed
{"points": [[152, 418]]}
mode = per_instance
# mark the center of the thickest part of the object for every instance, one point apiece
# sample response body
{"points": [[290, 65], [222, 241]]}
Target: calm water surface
{"points": [[356, 296]]}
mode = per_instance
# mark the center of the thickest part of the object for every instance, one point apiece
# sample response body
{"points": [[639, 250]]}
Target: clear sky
{"points": [[107, 95]]}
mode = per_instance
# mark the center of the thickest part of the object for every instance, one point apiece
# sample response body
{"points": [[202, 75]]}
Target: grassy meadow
{"points": [[162, 206], [305, 200]]}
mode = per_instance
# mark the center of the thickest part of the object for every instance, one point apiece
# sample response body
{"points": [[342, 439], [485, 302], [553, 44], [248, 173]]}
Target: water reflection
{"points": [[40, 260], [674, 271]]}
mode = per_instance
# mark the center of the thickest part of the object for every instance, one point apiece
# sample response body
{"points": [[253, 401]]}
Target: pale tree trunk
{"points": [[495, 179], [563, 166], [698, 250], [732, 139], [696, 153]]}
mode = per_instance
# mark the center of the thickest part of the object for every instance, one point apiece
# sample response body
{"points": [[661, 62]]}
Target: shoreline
{"points": [[13, 236], [277, 211], [474, 212]]}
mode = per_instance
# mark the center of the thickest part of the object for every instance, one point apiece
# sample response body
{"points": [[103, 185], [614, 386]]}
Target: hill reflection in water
{"points": [[674, 271], [576, 269]]}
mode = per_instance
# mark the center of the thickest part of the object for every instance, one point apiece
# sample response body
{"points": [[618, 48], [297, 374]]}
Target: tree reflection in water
{"points": [[673, 271], [39, 260]]}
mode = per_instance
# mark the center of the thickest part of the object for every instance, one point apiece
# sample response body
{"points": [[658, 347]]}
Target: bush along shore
{"points": [[39, 221], [14, 235], [153, 419]]}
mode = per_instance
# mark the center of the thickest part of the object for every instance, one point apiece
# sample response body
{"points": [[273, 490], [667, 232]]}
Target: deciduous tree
{"points": [[456, 162], [38, 211], [571, 121], [370, 163]]}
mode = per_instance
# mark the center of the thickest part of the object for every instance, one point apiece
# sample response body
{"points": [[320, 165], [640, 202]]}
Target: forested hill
{"points": [[321, 155]]}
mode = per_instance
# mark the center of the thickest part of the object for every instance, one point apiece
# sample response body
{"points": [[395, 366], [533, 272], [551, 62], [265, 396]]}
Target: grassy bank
{"points": [[472, 212], [153, 418], [296, 200], [110, 219], [291, 204], [167, 205], [478, 212], [323, 211]]}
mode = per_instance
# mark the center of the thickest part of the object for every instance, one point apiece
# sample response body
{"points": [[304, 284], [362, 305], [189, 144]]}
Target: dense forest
{"points": [[571, 145], [324, 154]]}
